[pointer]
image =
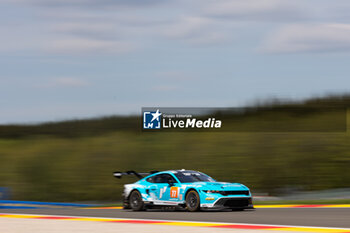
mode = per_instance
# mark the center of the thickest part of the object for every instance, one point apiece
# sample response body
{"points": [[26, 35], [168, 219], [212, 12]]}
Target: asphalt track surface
{"points": [[318, 217]]}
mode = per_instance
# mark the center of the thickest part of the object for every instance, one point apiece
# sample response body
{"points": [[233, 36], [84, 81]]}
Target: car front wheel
{"points": [[135, 201], [192, 201]]}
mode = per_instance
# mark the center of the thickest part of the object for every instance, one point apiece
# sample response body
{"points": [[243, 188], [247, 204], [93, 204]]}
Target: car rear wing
{"points": [[137, 174]]}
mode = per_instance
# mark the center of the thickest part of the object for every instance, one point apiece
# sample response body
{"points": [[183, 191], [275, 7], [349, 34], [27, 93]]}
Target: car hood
{"points": [[219, 186]]}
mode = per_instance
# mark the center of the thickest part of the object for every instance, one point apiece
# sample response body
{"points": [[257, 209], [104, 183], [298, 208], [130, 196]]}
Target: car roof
{"points": [[172, 171], [168, 172], [180, 170]]}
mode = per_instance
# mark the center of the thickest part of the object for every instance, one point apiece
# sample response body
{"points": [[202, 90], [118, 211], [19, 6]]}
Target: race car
{"points": [[188, 189]]}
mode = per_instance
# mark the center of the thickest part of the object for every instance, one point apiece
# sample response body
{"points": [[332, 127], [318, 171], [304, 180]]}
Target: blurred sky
{"points": [[63, 59]]}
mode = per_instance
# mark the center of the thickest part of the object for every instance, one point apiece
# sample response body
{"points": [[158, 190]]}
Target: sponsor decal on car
{"points": [[161, 192], [174, 191]]}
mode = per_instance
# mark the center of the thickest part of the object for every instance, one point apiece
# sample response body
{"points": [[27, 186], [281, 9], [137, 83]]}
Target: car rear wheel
{"points": [[135, 201], [192, 201]]}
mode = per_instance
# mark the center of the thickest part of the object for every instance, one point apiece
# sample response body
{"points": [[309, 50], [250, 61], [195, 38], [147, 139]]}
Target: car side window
{"points": [[169, 178], [151, 179], [155, 179], [161, 178]]}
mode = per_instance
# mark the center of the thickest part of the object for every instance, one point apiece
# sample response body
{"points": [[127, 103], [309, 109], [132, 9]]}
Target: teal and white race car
{"points": [[188, 189]]}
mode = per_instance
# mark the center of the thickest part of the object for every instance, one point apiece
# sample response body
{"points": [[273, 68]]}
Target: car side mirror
{"points": [[171, 183]]}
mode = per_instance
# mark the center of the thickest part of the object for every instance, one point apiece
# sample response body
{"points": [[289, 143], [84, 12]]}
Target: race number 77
{"points": [[174, 191]]}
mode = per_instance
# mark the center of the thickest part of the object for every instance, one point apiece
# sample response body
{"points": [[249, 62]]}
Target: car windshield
{"points": [[191, 176]]}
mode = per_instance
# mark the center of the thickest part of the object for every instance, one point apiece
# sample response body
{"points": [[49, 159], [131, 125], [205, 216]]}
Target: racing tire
{"points": [[192, 201], [135, 201]]}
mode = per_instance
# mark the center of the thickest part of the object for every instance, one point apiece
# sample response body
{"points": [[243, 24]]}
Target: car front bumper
{"points": [[230, 202]]}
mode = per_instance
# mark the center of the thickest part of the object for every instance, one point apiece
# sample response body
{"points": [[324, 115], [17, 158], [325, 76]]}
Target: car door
{"points": [[158, 187], [170, 190]]}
